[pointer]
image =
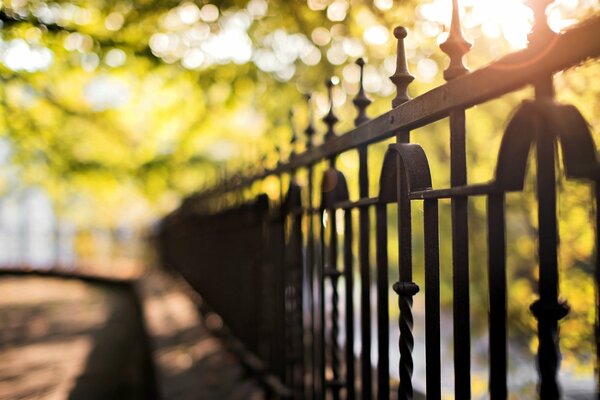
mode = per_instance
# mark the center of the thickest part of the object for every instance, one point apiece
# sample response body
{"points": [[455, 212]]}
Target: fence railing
{"points": [[277, 272]]}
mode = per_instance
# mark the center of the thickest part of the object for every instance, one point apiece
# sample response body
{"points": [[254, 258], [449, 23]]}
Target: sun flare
{"points": [[507, 19]]}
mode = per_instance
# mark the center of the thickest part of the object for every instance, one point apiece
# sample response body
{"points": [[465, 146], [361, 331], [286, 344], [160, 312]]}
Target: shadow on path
{"points": [[63, 338]]}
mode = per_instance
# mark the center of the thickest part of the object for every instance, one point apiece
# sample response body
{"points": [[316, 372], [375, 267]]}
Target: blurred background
{"points": [[111, 112]]}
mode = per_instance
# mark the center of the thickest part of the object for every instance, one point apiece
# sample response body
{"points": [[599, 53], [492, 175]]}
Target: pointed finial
{"points": [[330, 119], [361, 101], [310, 128], [294, 137], [540, 31], [455, 46], [278, 153], [401, 78]]}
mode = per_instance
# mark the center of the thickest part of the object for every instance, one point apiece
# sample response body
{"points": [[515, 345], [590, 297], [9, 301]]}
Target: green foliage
{"points": [[121, 108]]}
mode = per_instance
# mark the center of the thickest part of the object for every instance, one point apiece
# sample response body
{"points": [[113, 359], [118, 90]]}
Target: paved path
{"points": [[83, 339], [70, 339], [189, 360]]}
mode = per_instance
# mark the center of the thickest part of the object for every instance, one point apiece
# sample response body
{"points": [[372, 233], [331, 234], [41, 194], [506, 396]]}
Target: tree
{"points": [[119, 108]]}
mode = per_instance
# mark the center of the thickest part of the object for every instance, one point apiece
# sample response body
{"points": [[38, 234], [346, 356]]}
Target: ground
{"points": [[83, 339]]}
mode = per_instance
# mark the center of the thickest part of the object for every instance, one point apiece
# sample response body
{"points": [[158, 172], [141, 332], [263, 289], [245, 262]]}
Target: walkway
{"points": [[64, 338]]}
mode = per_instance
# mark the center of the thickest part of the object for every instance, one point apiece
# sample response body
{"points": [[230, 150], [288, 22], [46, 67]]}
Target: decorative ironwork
{"points": [[309, 131], [455, 46], [361, 101], [401, 78], [294, 137], [541, 33], [269, 254], [330, 119]]}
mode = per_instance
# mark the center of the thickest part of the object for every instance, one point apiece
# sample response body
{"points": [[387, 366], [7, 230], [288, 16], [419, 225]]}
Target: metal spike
{"points": [[310, 128], [330, 119], [278, 153], [361, 101], [402, 77], [540, 31], [455, 46], [294, 137]]}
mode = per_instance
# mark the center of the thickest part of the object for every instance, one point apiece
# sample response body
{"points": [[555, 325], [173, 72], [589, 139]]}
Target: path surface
{"points": [[189, 360], [80, 339], [70, 339]]}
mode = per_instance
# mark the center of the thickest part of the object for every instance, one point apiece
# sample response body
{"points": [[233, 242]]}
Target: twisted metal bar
{"points": [[406, 291], [548, 310]]}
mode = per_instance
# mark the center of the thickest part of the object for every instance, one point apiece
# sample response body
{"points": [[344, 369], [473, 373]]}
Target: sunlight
{"points": [[509, 19], [19, 55]]}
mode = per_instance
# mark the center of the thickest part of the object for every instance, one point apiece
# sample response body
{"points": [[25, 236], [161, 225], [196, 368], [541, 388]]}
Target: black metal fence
{"points": [[266, 267]]}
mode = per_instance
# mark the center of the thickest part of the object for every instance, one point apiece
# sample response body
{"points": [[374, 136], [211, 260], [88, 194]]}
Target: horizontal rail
{"points": [[503, 76], [344, 205], [456, 191]]}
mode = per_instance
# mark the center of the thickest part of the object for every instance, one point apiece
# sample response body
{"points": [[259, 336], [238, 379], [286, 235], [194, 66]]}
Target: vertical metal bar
{"points": [[294, 257], [299, 287], [383, 321], [548, 277], [321, 307], [456, 47], [334, 274], [289, 288], [330, 270], [596, 192], [405, 288], [548, 310], [365, 277], [497, 293], [349, 306], [310, 267], [361, 101], [262, 282], [295, 281], [310, 253], [460, 258], [273, 266], [280, 267], [432, 299]]}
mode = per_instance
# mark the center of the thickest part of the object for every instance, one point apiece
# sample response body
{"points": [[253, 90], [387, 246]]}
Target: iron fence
{"points": [[266, 266]]}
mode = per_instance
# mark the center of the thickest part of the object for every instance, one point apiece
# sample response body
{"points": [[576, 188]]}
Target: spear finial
{"points": [[279, 154], [330, 119], [361, 101], [455, 46], [310, 128], [540, 31], [401, 78], [294, 138]]}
